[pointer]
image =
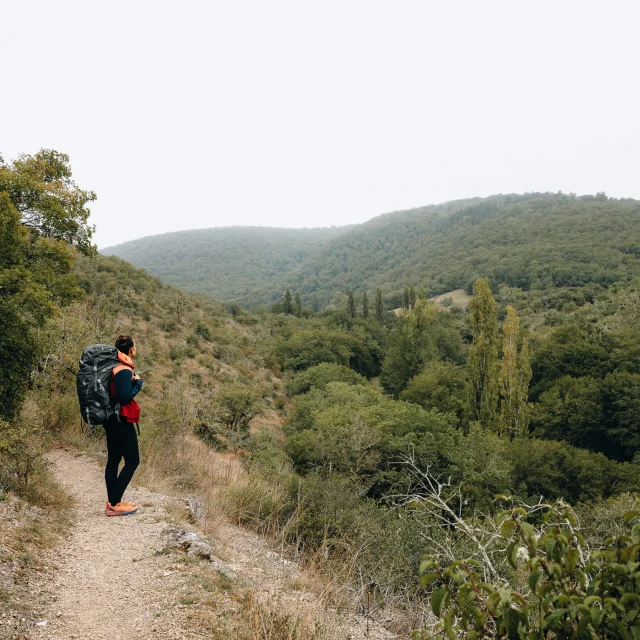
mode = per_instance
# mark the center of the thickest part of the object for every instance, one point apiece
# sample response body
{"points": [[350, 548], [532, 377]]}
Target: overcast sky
{"points": [[292, 113]]}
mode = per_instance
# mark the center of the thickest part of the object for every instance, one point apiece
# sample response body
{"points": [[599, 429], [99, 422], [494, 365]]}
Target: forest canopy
{"points": [[536, 241]]}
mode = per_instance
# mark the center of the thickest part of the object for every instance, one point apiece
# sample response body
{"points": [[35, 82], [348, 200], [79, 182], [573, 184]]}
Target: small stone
{"points": [[222, 567], [42, 623], [200, 549], [179, 538]]}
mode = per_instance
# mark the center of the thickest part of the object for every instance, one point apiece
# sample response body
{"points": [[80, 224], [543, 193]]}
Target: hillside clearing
{"points": [[456, 299]]}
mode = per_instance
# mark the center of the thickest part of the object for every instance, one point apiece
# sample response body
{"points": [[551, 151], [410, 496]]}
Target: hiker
{"points": [[122, 441]]}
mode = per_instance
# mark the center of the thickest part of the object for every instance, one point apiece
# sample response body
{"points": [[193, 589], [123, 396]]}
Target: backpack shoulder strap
{"points": [[119, 367]]}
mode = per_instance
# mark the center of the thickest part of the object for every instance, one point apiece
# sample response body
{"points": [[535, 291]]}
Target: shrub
{"points": [[320, 375], [442, 386], [229, 413], [22, 443], [569, 595], [203, 331]]}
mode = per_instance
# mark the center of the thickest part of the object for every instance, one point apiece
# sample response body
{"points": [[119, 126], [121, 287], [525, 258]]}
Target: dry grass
{"points": [[452, 299], [230, 609], [456, 299], [192, 467], [31, 523]]}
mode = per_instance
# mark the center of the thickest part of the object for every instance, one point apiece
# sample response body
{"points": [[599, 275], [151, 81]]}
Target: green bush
{"points": [[320, 375], [442, 386], [557, 470], [229, 412], [570, 595]]}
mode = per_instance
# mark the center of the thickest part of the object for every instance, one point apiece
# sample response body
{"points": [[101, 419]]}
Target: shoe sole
{"points": [[119, 513]]}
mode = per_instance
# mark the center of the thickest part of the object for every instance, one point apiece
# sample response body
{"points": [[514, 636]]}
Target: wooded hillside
{"points": [[532, 241], [244, 265]]}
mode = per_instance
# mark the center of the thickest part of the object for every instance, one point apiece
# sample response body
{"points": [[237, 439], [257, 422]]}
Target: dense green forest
{"points": [[500, 441], [243, 265], [534, 241]]}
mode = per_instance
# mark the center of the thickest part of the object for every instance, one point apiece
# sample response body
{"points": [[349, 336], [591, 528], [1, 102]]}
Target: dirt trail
{"points": [[109, 583], [114, 581]]}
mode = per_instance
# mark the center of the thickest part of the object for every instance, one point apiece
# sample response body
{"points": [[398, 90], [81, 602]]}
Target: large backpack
{"points": [[93, 380]]}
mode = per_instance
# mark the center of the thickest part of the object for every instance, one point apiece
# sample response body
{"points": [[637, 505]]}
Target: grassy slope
{"points": [[536, 241]]}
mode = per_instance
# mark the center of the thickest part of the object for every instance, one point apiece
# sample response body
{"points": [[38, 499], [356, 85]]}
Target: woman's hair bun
{"points": [[124, 343]]}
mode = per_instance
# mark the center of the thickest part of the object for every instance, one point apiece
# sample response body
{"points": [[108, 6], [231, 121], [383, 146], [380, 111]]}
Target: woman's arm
{"points": [[127, 387]]}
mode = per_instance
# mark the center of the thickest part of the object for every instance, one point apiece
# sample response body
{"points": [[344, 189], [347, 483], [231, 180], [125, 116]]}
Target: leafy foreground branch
{"points": [[566, 595]]}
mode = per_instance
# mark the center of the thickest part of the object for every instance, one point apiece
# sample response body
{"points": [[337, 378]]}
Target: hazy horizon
{"points": [[333, 226], [303, 115]]}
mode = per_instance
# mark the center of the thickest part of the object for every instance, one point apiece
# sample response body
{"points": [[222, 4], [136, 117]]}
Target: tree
{"points": [[441, 386], [412, 296], [482, 361], [379, 306], [405, 298], [571, 410], [48, 201], [351, 305], [288, 306], [365, 305], [41, 212], [515, 376], [409, 347], [297, 307]]}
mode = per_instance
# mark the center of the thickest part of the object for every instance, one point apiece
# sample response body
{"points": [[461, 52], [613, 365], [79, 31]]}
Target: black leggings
{"points": [[122, 442]]}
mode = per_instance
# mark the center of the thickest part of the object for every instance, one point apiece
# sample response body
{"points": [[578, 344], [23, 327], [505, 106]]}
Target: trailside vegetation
{"points": [[43, 221]]}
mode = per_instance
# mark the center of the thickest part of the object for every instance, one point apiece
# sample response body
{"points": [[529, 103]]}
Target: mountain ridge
{"points": [[530, 241]]}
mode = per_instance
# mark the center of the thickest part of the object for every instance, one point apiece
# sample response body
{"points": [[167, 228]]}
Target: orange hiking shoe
{"points": [[120, 509]]}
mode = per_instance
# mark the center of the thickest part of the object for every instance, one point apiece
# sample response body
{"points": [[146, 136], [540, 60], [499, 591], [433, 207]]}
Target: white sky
{"points": [[294, 113]]}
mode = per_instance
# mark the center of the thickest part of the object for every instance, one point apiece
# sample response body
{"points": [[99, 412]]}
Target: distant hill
{"points": [[244, 265], [531, 241]]}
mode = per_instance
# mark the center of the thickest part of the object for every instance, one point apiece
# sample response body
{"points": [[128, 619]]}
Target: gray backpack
{"points": [[93, 382]]}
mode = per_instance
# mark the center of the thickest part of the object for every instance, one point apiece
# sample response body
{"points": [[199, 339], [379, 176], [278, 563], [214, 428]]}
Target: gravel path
{"points": [[110, 584]]}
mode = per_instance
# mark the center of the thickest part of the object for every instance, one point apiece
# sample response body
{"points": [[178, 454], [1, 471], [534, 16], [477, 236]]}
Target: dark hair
{"points": [[124, 343]]}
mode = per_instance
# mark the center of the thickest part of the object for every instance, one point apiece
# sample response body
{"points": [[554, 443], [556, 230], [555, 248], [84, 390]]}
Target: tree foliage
{"points": [[568, 594], [482, 361], [515, 375], [49, 202], [409, 347], [41, 212]]}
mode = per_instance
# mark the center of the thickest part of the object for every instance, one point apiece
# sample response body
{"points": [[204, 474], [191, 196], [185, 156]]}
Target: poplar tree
{"points": [[405, 298], [412, 297], [297, 307], [365, 305], [288, 307], [482, 361], [422, 294], [515, 375], [379, 306], [351, 305]]}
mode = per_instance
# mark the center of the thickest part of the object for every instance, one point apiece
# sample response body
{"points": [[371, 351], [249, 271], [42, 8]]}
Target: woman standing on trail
{"points": [[122, 441]]}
